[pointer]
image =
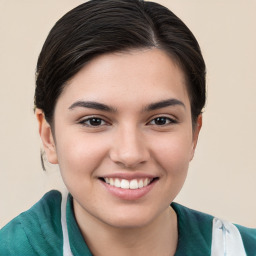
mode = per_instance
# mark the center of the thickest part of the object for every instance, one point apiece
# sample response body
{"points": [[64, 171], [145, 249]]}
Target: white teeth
{"points": [[134, 184], [111, 182], [126, 184], [141, 184], [146, 182], [117, 183]]}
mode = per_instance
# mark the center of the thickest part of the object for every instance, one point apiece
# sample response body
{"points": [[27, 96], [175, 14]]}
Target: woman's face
{"points": [[124, 120]]}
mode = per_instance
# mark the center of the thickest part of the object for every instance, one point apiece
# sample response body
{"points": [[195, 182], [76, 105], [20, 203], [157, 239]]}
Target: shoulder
{"points": [[249, 239], [195, 231], [35, 230], [197, 227], [193, 219]]}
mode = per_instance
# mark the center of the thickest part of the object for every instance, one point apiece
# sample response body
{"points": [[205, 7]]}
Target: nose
{"points": [[129, 148]]}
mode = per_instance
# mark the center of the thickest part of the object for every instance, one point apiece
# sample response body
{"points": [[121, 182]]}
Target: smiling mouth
{"points": [[129, 184]]}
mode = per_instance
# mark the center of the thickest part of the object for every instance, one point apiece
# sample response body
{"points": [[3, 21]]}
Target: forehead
{"points": [[133, 76]]}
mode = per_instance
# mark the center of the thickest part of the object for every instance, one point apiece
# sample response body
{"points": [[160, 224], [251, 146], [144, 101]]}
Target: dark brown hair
{"points": [[103, 26]]}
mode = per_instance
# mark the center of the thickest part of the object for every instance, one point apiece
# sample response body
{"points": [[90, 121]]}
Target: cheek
{"points": [[79, 155], [173, 153]]}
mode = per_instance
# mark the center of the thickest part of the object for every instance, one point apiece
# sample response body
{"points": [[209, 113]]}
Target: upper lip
{"points": [[129, 176]]}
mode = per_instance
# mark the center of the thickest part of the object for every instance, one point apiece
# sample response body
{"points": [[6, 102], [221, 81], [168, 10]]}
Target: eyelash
{"points": [[85, 122], [163, 118], [98, 120]]}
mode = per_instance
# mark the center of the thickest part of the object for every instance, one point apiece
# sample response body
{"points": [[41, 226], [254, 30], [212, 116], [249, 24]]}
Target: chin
{"points": [[130, 218]]}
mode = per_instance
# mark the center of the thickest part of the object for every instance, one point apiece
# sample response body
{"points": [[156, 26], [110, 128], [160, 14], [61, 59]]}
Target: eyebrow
{"points": [[163, 104], [104, 107], [93, 105]]}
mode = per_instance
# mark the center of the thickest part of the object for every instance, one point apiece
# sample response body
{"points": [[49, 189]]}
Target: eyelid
{"points": [[83, 121], [172, 120]]}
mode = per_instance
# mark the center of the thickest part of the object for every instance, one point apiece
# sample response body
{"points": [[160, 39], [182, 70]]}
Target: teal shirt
{"points": [[38, 231]]}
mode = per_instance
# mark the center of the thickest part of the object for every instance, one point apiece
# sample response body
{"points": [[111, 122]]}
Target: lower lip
{"points": [[129, 194]]}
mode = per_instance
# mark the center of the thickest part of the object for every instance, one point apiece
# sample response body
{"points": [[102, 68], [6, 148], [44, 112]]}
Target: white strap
{"points": [[66, 245], [226, 239]]}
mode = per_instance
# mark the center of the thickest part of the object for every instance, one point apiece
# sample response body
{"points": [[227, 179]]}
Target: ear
{"points": [[196, 132], [47, 138]]}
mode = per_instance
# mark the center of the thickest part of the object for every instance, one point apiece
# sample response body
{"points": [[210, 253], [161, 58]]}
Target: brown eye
{"points": [[93, 122], [160, 121]]}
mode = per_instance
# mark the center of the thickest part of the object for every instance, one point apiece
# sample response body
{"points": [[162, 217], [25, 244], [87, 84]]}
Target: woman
{"points": [[119, 94]]}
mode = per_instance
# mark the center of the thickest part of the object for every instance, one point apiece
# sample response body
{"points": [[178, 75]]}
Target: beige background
{"points": [[222, 176]]}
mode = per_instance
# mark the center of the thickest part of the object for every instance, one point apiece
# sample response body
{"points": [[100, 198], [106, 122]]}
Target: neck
{"points": [[159, 237]]}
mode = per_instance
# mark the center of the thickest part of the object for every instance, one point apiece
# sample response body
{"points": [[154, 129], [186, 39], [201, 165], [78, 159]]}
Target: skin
{"points": [[126, 141]]}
